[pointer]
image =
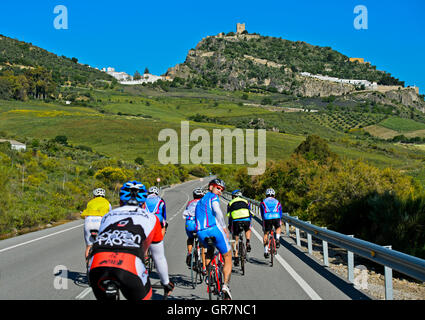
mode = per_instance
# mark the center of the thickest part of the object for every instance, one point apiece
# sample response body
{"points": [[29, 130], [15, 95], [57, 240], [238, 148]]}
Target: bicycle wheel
{"points": [[219, 279], [193, 266], [272, 248], [211, 280], [242, 255]]}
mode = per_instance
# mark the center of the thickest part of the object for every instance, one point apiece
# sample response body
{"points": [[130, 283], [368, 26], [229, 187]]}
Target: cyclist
{"points": [[156, 205], [210, 224], [125, 235], [271, 213], [96, 209], [189, 216], [238, 211]]}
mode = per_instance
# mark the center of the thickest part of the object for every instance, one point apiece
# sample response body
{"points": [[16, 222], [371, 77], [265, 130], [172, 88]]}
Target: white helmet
{"points": [[99, 192], [154, 189], [270, 192]]}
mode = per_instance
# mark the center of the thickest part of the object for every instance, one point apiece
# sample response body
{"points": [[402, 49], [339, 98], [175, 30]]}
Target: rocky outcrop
{"points": [[213, 64]]}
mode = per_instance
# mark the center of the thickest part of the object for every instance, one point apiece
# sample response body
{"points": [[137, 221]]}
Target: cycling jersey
{"points": [[98, 206], [239, 210], [125, 234], [189, 215], [271, 209], [210, 222], [156, 205], [208, 212]]}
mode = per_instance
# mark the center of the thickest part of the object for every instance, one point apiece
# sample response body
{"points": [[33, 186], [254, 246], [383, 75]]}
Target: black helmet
{"points": [[217, 182]]}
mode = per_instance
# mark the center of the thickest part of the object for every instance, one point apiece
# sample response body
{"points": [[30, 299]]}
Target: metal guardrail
{"points": [[390, 259]]}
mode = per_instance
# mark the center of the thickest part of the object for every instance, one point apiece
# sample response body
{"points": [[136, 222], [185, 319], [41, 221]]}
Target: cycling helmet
{"points": [[217, 182], [270, 192], [153, 189], [198, 193], [99, 192], [236, 193], [133, 193]]}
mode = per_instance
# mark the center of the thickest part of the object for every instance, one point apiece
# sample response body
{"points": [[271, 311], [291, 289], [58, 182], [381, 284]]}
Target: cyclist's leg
{"points": [[90, 223], [225, 249], [248, 237], [278, 231], [267, 228]]}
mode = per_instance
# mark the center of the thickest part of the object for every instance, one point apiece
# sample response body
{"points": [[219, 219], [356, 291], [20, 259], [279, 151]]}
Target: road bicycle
{"points": [[242, 252], [215, 277], [196, 263], [272, 245]]}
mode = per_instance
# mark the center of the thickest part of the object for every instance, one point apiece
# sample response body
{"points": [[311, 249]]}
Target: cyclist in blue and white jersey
{"points": [[210, 224], [156, 205], [271, 213]]}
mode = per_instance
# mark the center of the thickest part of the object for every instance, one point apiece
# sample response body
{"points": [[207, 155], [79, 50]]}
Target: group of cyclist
{"points": [[116, 255], [205, 219]]}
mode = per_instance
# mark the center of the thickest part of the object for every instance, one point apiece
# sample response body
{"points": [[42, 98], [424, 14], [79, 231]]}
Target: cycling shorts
{"points": [[91, 223], [239, 226], [221, 241], [125, 268], [190, 228], [268, 224]]}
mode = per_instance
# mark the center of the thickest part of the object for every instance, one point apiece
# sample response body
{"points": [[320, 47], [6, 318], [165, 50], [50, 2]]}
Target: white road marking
{"points": [[30, 241], [304, 285], [182, 208], [301, 282], [83, 294]]}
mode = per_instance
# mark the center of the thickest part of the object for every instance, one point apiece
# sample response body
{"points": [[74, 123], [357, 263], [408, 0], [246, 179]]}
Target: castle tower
{"points": [[240, 27]]}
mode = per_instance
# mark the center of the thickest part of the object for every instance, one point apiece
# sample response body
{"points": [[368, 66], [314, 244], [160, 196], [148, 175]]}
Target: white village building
{"points": [[15, 145]]}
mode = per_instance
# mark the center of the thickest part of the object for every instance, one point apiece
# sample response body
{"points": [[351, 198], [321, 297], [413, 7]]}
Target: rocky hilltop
{"points": [[251, 61]]}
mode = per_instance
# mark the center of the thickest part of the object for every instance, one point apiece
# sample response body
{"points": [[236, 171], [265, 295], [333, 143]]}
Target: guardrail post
{"points": [[325, 252], [388, 280], [287, 226], [350, 262], [309, 242], [297, 234]]}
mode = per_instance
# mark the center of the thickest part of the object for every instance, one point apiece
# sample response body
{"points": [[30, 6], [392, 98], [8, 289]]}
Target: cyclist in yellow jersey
{"points": [[96, 209]]}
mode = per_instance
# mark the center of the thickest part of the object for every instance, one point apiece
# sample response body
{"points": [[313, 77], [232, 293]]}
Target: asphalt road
{"points": [[49, 265]]}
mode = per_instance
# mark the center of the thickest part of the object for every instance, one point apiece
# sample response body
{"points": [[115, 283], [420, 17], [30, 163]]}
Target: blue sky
{"points": [[132, 35]]}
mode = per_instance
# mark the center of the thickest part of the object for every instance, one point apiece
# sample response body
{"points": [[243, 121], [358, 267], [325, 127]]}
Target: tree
{"points": [[146, 70], [137, 76], [140, 161], [62, 140], [315, 148]]}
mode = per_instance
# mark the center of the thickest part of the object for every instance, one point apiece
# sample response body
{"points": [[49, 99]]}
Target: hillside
{"points": [[27, 71], [252, 62]]}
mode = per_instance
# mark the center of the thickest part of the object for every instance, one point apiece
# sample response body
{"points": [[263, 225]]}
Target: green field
{"points": [[126, 125], [402, 125]]}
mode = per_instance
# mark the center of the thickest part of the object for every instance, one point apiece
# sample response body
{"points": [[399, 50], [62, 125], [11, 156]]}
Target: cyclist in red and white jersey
{"points": [[125, 235]]}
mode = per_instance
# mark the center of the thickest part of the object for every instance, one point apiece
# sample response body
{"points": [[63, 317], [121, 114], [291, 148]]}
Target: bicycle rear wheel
{"points": [[242, 255], [272, 248], [211, 280], [193, 267]]}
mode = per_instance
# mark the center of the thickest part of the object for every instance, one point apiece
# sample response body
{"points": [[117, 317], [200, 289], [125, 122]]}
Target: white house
{"points": [[146, 78], [15, 145]]}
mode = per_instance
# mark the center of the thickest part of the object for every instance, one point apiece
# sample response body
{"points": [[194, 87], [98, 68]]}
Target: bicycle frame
{"points": [[196, 262], [215, 275]]}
